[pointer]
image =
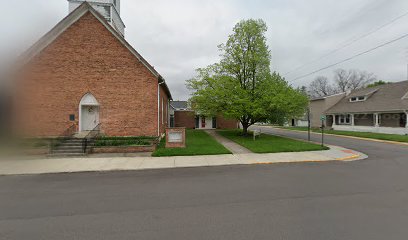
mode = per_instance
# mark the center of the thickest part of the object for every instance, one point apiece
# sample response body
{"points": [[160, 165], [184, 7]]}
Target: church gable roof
{"points": [[72, 18]]}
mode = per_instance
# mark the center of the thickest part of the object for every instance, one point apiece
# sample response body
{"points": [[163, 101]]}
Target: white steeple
{"points": [[110, 9]]}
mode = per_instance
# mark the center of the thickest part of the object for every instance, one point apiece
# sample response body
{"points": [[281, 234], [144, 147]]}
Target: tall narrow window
{"points": [[197, 122], [172, 121], [162, 110]]}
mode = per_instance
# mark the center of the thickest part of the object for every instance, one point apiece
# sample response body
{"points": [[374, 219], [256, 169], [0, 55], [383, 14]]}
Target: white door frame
{"points": [[87, 100], [208, 122]]}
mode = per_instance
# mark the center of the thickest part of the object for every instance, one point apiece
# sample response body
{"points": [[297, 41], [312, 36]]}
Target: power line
{"points": [[350, 58], [348, 43]]}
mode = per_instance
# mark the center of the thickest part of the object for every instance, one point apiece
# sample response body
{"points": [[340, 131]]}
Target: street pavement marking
{"points": [[348, 158]]}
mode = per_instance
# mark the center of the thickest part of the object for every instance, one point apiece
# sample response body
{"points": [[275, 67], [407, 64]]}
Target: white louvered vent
{"points": [[109, 9]]}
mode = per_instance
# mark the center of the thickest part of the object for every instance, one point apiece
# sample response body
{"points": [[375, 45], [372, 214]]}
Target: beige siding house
{"points": [[319, 106], [380, 109]]}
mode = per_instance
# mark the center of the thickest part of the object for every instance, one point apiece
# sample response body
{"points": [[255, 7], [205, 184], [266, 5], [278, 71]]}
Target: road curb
{"points": [[345, 136], [349, 158], [345, 159]]}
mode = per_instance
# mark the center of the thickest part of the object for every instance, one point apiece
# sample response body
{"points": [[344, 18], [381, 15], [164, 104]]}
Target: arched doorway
{"points": [[88, 113]]}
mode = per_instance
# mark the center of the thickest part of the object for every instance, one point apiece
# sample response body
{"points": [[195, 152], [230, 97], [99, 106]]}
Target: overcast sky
{"points": [[179, 36]]}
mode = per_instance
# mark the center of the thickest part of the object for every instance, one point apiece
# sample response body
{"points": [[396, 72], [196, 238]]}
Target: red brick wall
{"points": [[184, 119], [223, 123], [187, 119], [87, 58]]}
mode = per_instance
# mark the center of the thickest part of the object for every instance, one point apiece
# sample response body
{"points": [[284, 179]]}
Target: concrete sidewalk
{"points": [[234, 147], [69, 165]]}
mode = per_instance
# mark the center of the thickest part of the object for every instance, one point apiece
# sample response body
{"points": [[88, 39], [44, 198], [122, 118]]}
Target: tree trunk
{"points": [[245, 129]]}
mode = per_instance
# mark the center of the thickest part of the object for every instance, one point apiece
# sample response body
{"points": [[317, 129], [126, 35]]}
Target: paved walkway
{"points": [[230, 145], [68, 165]]}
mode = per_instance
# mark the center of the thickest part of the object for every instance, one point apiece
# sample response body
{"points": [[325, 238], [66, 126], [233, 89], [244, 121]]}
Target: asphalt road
{"points": [[338, 200]]}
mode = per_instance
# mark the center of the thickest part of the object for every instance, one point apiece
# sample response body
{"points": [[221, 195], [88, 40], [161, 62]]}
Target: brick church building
{"points": [[84, 75]]}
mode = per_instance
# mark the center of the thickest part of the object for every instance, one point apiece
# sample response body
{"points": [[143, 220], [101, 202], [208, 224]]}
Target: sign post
{"points": [[308, 124], [323, 118]]}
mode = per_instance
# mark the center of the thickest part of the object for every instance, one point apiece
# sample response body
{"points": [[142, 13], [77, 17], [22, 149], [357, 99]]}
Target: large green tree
{"points": [[241, 86]]}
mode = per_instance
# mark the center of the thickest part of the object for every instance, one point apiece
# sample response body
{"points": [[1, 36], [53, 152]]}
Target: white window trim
{"points": [[405, 96], [343, 119], [357, 99]]}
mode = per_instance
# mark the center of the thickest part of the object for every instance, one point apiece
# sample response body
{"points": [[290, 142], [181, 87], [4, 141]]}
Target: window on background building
{"points": [[358, 99], [345, 119], [402, 119], [197, 122], [172, 121]]}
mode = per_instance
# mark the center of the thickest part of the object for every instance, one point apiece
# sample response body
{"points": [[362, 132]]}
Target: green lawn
{"points": [[270, 144], [198, 143], [380, 136]]}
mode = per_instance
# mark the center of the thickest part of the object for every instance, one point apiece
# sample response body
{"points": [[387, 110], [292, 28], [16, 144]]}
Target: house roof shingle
{"points": [[179, 105], [325, 97], [385, 98]]}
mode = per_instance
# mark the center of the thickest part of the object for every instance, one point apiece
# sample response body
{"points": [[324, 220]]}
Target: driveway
{"points": [[337, 200]]}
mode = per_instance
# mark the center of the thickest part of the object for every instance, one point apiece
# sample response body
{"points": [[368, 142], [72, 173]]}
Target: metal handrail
{"points": [[90, 137], [70, 131]]}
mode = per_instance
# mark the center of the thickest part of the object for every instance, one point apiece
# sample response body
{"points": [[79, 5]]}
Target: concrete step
{"points": [[81, 135], [68, 151], [79, 141], [70, 144], [59, 155], [70, 147]]}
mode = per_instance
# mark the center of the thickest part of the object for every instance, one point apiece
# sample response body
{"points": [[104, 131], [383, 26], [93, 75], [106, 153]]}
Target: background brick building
{"points": [[183, 116]]}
